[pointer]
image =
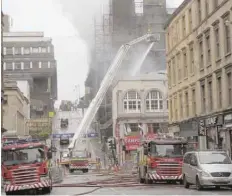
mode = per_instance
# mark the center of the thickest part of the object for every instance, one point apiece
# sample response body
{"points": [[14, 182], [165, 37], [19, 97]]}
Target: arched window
{"points": [[132, 102], [154, 101]]}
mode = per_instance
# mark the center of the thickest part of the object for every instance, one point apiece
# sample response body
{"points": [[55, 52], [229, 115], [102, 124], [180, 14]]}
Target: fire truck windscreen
{"points": [[168, 150], [23, 156], [79, 154]]}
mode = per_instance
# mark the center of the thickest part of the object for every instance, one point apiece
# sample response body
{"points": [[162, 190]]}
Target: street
{"points": [[155, 189]]}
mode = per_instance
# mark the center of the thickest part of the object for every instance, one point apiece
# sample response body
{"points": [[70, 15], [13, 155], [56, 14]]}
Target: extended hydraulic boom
{"points": [[106, 83]]}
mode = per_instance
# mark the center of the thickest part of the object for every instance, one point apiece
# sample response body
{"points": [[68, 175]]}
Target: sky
{"points": [[71, 50]]}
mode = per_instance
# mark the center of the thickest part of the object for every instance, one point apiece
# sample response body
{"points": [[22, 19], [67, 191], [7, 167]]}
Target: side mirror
{"points": [[49, 155], [193, 163]]}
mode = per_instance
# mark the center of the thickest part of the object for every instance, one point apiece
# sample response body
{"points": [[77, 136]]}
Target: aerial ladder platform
{"points": [[106, 83]]}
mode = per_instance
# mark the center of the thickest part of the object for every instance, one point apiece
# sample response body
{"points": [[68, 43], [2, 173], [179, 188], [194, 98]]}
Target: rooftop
{"points": [[176, 12]]}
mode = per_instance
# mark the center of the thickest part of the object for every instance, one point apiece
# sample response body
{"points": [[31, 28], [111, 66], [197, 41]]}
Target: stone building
{"points": [[139, 106], [14, 113], [199, 63]]}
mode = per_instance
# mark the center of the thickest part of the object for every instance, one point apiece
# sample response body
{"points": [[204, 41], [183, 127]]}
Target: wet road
{"points": [[155, 189]]}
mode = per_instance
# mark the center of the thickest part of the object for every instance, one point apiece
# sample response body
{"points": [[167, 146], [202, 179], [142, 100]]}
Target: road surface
{"points": [[164, 189]]}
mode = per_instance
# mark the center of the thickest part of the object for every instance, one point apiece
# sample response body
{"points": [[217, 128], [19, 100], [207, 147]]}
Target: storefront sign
{"points": [[228, 120], [132, 142], [151, 136], [202, 129], [214, 121], [211, 121]]}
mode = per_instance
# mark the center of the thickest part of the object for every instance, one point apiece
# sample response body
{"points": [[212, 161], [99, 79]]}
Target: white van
{"points": [[207, 168]]}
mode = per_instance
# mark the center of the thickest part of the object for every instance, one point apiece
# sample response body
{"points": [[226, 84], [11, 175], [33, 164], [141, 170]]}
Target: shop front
{"points": [[131, 143], [228, 132], [189, 130], [215, 137]]}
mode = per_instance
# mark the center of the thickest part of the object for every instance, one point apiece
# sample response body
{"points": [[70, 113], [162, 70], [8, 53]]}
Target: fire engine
{"points": [[26, 167], [78, 161], [161, 159]]}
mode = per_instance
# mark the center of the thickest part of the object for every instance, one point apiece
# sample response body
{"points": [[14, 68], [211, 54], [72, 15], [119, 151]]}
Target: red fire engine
{"points": [[26, 167], [161, 159], [79, 161]]}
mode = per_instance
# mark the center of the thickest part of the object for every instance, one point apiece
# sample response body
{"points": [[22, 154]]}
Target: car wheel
{"points": [[198, 184], [185, 182]]}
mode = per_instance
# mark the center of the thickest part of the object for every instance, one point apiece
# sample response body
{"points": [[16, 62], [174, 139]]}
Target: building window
{"points": [[174, 70], [229, 85], [199, 10], [169, 75], [177, 31], [176, 108], [201, 54], [132, 102], [154, 101], [44, 64], [191, 58], [17, 51], [215, 4], [181, 105], [190, 20], [178, 61], [35, 50], [203, 98], [4, 51], [9, 50], [227, 35], [185, 63], [207, 7], [35, 65], [208, 48], [217, 42], [17, 65], [26, 65], [194, 102], [9, 66], [184, 26], [219, 91], [210, 94], [26, 50], [44, 50], [187, 104], [153, 128], [170, 109]]}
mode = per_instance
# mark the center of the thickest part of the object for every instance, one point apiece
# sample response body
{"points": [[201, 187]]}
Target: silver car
{"points": [[207, 168]]}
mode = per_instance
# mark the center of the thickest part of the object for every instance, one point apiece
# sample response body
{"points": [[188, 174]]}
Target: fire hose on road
{"points": [[117, 181]]}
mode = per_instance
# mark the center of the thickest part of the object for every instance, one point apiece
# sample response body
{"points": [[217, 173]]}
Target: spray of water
{"points": [[139, 63]]}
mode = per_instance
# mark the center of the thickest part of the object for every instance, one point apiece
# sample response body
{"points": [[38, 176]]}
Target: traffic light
{"points": [[112, 145]]}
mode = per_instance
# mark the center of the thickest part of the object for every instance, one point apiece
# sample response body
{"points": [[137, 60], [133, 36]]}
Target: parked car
{"points": [[207, 168]]}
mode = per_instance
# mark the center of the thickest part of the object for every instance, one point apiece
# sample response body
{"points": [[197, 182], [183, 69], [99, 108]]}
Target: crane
{"points": [[105, 85]]}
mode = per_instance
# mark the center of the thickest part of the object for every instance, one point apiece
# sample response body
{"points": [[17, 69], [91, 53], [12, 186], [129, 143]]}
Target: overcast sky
{"points": [[71, 51]]}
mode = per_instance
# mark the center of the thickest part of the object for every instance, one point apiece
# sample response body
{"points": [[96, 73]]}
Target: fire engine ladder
{"points": [[106, 83]]}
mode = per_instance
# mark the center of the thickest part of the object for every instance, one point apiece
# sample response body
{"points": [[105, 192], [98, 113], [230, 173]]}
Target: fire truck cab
{"points": [[161, 159], [25, 167]]}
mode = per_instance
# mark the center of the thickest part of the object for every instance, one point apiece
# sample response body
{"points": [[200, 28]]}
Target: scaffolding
{"points": [[103, 50]]}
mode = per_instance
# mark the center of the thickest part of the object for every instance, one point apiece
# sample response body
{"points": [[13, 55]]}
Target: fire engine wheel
{"points": [[11, 193], [47, 190], [148, 181]]}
